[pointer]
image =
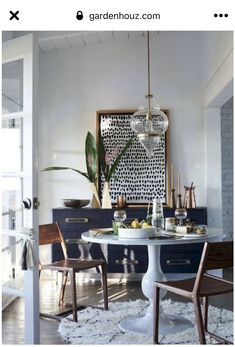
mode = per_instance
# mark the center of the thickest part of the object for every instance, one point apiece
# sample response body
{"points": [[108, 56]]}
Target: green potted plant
{"points": [[91, 165]]}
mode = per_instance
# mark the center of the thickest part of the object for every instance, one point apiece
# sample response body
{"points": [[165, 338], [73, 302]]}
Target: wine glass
{"points": [[181, 214], [119, 215]]}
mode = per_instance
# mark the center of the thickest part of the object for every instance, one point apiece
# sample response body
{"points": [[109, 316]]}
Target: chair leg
{"points": [[156, 314], [198, 313], [205, 311], [74, 296], [62, 288], [216, 337], [104, 285]]}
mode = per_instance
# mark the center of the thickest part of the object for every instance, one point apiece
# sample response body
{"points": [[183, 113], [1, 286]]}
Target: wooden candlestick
{"points": [[178, 182], [172, 176], [179, 201], [172, 198]]}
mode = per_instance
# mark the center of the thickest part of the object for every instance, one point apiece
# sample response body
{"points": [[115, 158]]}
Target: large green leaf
{"points": [[91, 156], [101, 152], [117, 161], [54, 168]]}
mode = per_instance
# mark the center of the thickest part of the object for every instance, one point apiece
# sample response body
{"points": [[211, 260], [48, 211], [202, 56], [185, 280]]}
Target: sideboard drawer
{"points": [[83, 222], [127, 261], [188, 248]]}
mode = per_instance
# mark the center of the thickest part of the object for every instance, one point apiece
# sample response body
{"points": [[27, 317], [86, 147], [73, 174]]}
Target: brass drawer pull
{"points": [[178, 261], [76, 242], [126, 262], [76, 220]]}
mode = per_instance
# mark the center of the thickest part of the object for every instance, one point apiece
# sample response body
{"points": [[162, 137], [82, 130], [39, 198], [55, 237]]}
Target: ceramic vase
{"points": [[95, 201], [106, 200]]}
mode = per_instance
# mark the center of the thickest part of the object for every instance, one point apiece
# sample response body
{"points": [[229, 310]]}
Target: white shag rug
{"points": [[98, 327]]}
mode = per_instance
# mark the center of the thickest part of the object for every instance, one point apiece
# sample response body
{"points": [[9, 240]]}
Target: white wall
{"points": [[217, 88], [215, 48], [213, 167], [76, 82], [216, 67]]}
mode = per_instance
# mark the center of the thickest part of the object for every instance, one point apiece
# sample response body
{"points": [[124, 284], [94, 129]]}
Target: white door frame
{"points": [[26, 48]]}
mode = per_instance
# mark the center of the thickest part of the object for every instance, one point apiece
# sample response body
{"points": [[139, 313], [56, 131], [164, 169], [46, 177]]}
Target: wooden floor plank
{"points": [[88, 294]]}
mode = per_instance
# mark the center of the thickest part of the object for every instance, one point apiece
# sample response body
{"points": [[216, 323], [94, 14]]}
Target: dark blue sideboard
{"points": [[130, 259]]}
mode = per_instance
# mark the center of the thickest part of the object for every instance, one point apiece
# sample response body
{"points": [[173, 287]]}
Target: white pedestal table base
{"points": [[168, 324]]}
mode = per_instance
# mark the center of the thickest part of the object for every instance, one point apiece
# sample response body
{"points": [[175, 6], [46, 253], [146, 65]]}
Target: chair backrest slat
{"points": [[215, 255], [50, 234]]}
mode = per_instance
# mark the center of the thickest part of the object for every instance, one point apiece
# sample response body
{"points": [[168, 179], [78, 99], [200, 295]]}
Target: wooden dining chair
{"points": [[50, 234], [218, 255]]}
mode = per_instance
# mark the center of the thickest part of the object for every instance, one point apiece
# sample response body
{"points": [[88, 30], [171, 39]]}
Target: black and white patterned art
{"points": [[137, 177]]}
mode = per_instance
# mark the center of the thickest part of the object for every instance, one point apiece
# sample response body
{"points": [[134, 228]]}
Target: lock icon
{"points": [[79, 15]]}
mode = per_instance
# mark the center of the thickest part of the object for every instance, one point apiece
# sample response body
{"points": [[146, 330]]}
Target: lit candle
{"points": [[178, 182], [172, 176]]}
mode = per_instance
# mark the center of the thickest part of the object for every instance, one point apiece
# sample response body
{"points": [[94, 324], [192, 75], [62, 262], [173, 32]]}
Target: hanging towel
{"points": [[27, 258], [23, 256]]}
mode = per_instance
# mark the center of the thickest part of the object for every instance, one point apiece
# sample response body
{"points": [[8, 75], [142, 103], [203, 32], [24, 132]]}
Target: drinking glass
{"points": [[180, 214], [119, 215]]}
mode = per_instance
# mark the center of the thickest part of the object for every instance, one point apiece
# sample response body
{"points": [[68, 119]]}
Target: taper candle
{"points": [[172, 176], [178, 182]]}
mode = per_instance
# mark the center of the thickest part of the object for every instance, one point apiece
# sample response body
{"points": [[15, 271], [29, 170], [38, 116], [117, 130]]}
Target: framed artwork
{"points": [[137, 177]]}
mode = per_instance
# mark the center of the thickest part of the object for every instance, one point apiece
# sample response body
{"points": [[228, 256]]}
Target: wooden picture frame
{"points": [[135, 169]]}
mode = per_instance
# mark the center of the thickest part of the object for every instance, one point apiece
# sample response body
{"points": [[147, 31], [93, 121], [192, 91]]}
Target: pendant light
{"points": [[149, 122]]}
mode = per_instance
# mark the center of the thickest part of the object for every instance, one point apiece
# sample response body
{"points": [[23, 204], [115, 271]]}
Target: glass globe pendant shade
{"points": [[149, 120], [149, 123]]}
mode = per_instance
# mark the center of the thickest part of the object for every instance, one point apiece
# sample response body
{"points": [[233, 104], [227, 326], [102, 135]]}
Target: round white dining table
{"points": [[144, 324]]}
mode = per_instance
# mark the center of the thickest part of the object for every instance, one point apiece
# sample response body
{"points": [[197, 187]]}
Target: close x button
{"points": [[14, 15]]}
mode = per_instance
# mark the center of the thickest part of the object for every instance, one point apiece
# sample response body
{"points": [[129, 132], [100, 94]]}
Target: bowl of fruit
{"points": [[136, 230]]}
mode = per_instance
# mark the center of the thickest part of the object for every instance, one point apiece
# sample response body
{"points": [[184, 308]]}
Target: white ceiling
{"points": [[54, 40]]}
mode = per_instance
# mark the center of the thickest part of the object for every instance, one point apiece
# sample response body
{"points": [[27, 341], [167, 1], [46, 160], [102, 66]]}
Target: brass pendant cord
{"points": [[149, 115], [148, 50]]}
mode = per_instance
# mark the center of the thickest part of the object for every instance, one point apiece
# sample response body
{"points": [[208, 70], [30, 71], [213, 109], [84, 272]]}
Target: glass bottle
{"points": [[157, 215]]}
